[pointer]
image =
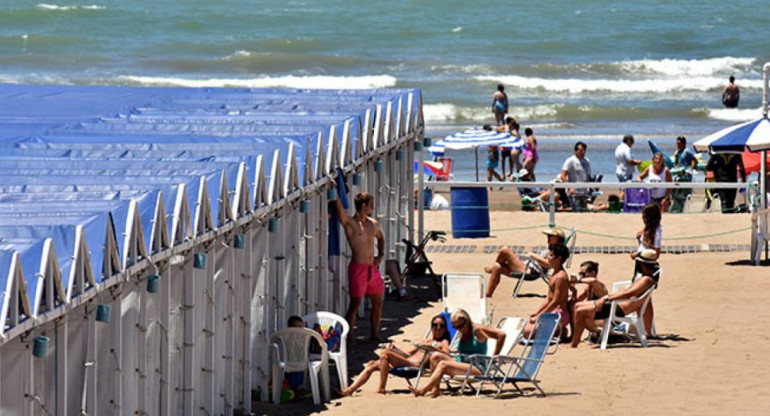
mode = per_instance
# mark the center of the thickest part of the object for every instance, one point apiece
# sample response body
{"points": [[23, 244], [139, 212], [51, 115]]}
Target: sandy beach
{"points": [[709, 358]]}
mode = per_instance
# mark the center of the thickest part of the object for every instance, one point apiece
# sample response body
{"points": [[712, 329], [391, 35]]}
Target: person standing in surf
{"points": [[500, 104], [731, 94]]}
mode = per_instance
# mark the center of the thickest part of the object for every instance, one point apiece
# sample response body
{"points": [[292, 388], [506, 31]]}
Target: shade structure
{"points": [[753, 136], [430, 168], [473, 139], [105, 189]]}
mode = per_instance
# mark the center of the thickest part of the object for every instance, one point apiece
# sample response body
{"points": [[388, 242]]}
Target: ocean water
{"points": [[590, 70]]}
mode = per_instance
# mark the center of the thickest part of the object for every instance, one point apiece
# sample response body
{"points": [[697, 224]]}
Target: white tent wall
{"points": [[224, 311], [199, 342], [260, 308], [15, 364]]}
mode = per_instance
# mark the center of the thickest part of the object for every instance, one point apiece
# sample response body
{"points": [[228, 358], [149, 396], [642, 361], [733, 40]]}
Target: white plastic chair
{"points": [[340, 358], [290, 353], [467, 291], [633, 319]]}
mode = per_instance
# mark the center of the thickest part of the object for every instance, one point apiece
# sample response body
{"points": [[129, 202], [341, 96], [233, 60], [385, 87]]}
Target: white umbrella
{"points": [[753, 136], [472, 139]]}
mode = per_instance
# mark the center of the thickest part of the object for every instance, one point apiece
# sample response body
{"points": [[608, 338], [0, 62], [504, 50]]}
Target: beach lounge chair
{"points": [[466, 291], [446, 169], [633, 320], [513, 327], [533, 270], [525, 367], [327, 320], [409, 373], [290, 352], [634, 199]]}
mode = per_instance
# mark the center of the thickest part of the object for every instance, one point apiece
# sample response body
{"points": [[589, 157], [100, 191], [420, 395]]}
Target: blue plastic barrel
{"points": [[470, 212]]}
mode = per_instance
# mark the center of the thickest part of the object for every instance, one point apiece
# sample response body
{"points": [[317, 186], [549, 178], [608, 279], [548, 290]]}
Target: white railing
{"points": [[760, 225], [552, 186]]}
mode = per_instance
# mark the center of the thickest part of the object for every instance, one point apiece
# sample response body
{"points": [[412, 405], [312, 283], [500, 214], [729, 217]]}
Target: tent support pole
{"points": [[420, 193], [477, 163]]}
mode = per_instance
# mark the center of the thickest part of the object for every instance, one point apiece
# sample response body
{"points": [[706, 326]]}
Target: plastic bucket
{"points": [[470, 212]]}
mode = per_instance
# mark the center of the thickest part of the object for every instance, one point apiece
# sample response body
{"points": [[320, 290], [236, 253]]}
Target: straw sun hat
{"points": [[558, 232], [648, 255]]}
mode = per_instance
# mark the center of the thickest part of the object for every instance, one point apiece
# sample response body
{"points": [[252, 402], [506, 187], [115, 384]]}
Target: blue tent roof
{"points": [[75, 156]]}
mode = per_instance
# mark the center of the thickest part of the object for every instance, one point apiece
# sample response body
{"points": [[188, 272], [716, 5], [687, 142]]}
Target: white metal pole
{"points": [[420, 189], [763, 162]]}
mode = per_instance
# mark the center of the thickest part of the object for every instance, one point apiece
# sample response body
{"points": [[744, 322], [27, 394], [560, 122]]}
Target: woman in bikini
{"points": [[473, 340], [392, 357]]}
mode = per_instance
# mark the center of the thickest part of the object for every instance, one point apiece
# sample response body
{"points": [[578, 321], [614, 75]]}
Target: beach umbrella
{"points": [[429, 168], [473, 139], [752, 136]]}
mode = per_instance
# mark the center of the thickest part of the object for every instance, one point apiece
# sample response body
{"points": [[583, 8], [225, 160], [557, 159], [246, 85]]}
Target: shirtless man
{"points": [[731, 94], [590, 314], [508, 262], [364, 277], [558, 290]]}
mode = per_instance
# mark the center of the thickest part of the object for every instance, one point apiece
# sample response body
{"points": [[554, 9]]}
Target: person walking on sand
{"points": [[731, 94], [500, 104], [364, 278], [624, 162], [493, 160]]}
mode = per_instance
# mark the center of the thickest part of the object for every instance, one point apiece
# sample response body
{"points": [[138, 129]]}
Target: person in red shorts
{"points": [[364, 278]]}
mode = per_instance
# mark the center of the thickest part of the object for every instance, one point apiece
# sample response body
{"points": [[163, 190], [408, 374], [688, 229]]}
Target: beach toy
{"points": [[655, 149], [644, 165]]}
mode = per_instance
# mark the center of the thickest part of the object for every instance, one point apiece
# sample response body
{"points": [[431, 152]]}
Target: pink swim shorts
{"points": [[565, 318], [364, 279]]}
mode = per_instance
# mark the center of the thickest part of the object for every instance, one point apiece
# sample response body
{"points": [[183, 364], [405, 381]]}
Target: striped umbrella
{"points": [[753, 136], [473, 139]]}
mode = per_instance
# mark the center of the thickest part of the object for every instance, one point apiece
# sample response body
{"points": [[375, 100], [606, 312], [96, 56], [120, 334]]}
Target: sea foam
{"points": [[288, 81], [659, 85], [45, 6], [450, 112], [733, 114]]}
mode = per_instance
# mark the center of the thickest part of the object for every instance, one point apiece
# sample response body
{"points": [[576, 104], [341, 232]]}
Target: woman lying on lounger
{"points": [[392, 357], [473, 340]]}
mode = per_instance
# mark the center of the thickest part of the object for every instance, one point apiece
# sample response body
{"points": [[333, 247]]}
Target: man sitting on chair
{"points": [[508, 262], [588, 313], [558, 291]]}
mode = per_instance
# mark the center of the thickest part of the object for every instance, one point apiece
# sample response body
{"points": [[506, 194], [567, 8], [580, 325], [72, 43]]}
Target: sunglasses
{"points": [[436, 325]]}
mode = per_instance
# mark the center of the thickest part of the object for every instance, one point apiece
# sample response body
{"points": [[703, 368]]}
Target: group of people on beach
{"points": [[511, 156], [581, 309], [582, 301]]}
